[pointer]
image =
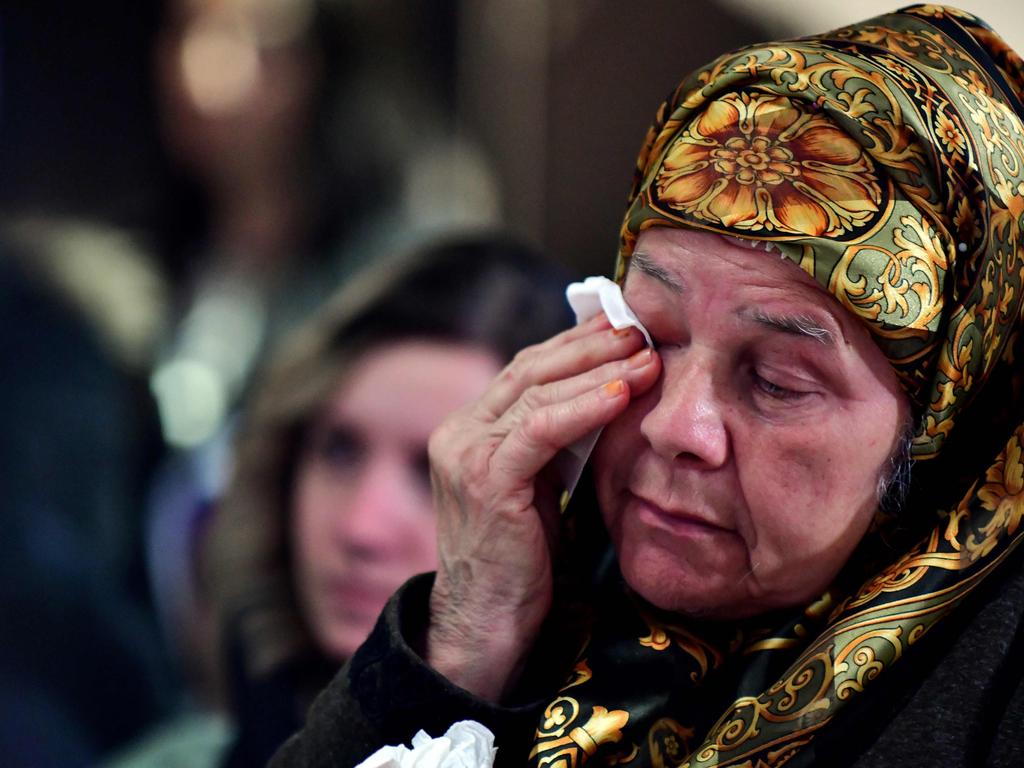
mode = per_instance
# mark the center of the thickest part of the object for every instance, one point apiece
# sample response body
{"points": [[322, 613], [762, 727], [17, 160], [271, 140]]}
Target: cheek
{"points": [[809, 505], [305, 532], [421, 545], [308, 549], [779, 473], [411, 524], [312, 517], [308, 502], [612, 463]]}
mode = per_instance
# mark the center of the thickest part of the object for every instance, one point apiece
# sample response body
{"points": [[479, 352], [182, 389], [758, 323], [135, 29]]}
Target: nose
{"points": [[379, 505], [686, 420]]}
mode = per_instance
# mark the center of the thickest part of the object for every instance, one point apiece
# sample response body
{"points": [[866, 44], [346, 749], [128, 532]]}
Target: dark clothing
{"points": [[386, 693], [269, 708], [81, 666], [267, 712], [958, 700]]}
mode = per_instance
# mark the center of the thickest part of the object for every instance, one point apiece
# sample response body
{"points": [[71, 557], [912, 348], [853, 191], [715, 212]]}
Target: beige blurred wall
{"points": [[559, 95], [804, 17]]}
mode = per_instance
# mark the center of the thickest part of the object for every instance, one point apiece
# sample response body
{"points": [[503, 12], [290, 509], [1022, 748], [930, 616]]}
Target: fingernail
{"points": [[639, 359], [622, 332], [613, 388]]}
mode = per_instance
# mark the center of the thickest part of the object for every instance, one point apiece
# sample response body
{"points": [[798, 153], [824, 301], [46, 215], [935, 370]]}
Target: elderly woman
{"points": [[823, 240]]}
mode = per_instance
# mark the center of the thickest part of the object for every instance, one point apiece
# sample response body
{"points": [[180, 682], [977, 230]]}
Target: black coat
{"points": [[957, 700]]}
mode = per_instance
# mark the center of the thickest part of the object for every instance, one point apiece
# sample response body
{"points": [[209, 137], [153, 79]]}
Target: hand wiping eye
{"points": [[595, 294]]}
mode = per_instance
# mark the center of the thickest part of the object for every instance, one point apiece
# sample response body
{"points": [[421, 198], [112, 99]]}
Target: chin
{"points": [[340, 642], [675, 586], [675, 598]]}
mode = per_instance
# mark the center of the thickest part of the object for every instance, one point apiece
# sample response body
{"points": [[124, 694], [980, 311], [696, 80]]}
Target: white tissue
{"points": [[593, 295], [599, 293], [467, 744]]}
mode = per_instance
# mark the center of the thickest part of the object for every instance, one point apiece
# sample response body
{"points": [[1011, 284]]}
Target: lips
{"points": [[356, 598], [680, 522]]}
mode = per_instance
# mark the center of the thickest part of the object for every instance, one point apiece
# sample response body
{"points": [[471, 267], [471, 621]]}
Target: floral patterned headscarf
{"points": [[887, 160]]}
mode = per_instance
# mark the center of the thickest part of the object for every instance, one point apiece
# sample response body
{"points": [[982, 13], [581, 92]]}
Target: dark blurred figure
{"points": [[78, 135], [81, 662], [287, 122], [81, 668], [238, 89]]}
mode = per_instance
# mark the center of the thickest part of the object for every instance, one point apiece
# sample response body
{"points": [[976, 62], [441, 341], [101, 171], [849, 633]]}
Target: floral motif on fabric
{"points": [[563, 742], [754, 162]]}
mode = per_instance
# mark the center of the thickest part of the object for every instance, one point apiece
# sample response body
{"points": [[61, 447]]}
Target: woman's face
{"points": [[362, 516], [745, 478]]}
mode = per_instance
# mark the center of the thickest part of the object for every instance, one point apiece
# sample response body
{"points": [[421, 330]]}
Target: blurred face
{"points": [[743, 481], [363, 521]]}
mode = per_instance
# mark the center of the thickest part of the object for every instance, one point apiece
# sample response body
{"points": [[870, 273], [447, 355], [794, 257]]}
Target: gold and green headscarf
{"points": [[887, 160]]}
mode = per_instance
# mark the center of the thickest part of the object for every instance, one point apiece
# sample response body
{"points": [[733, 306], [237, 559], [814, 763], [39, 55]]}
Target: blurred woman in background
{"points": [[329, 509]]}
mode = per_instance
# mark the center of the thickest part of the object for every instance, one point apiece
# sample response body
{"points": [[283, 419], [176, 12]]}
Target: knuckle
{"points": [[440, 441], [579, 407], [539, 426], [593, 356], [447, 448], [509, 374], [524, 357], [511, 378], [533, 396], [524, 361]]}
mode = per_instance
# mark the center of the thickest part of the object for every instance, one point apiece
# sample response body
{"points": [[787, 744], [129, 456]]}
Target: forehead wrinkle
{"points": [[646, 264]]}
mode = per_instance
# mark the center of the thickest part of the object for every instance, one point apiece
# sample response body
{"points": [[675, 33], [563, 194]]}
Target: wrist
{"points": [[478, 651]]}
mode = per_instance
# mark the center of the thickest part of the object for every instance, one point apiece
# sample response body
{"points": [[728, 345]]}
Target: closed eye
{"points": [[773, 390], [658, 344]]}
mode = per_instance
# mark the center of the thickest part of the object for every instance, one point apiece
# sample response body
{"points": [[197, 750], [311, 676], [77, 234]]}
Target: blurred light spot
{"points": [[218, 343], [225, 329], [191, 399], [220, 64]]}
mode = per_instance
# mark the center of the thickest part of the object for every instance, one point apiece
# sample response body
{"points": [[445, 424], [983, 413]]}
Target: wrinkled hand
{"points": [[498, 510]]}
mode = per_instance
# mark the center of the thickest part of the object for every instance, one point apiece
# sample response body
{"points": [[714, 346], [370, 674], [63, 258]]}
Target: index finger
{"points": [[568, 354]]}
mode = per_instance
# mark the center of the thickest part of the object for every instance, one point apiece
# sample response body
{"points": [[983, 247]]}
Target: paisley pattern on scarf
{"points": [[887, 160]]}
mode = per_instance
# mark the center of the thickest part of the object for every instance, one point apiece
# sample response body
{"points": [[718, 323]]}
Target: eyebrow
{"points": [[803, 325], [643, 263], [796, 325]]}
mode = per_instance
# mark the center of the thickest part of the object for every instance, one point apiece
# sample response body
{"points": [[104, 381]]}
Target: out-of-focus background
{"points": [[180, 183]]}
